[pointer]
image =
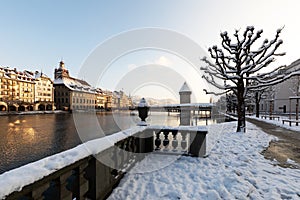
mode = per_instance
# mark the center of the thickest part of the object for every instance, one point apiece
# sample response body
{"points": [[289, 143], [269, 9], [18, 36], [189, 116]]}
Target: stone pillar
{"points": [[185, 98]]}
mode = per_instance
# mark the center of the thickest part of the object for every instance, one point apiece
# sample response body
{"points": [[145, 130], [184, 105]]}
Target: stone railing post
{"points": [[145, 141], [198, 143]]}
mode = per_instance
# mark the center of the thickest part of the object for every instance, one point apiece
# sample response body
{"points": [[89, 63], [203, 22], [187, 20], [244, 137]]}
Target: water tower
{"points": [[185, 98]]}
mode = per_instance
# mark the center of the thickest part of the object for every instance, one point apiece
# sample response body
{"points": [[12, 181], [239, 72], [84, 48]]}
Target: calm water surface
{"points": [[27, 138]]}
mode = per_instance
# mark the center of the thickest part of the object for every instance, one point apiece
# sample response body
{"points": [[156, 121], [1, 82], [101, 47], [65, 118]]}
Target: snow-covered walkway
{"points": [[234, 169], [278, 122]]}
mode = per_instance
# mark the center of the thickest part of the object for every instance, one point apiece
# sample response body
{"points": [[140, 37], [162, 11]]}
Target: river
{"points": [[27, 138]]}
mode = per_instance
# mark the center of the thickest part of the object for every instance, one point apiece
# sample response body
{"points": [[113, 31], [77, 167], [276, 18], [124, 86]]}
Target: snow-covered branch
{"points": [[272, 81], [216, 93]]}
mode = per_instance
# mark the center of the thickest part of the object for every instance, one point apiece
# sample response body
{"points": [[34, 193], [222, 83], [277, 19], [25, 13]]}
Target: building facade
{"points": [[71, 93], [43, 91], [108, 97], [25, 91], [282, 98], [121, 101], [16, 90]]}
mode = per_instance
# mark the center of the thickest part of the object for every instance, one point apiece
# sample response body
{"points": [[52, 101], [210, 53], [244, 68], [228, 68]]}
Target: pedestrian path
{"points": [[286, 149]]}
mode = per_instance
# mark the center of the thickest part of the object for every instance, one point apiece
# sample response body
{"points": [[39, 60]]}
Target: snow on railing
{"points": [[92, 169]]}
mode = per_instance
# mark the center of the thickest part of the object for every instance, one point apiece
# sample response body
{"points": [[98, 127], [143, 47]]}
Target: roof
{"points": [[75, 84], [21, 76], [185, 88]]}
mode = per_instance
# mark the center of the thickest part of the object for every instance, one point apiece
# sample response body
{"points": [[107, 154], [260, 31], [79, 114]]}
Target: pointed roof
{"points": [[185, 88]]}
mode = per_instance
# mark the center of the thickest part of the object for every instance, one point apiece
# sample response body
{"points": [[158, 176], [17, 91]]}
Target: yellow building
{"points": [[108, 97], [43, 91], [100, 99], [16, 90]]}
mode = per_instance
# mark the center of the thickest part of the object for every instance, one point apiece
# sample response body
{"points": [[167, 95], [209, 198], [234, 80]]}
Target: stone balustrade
{"points": [[182, 140], [95, 176]]}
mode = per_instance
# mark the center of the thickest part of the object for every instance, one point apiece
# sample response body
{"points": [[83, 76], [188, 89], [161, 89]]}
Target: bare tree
{"points": [[237, 63], [256, 96]]}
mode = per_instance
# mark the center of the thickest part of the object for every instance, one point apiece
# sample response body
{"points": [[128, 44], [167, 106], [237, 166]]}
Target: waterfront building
{"points": [[120, 100], [43, 91], [100, 99], [16, 90], [72, 93], [108, 95]]}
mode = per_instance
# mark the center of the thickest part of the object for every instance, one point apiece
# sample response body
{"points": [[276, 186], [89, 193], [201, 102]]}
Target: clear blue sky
{"points": [[36, 34]]}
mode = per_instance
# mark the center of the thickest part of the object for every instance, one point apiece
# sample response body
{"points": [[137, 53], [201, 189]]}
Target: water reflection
{"points": [[27, 138]]}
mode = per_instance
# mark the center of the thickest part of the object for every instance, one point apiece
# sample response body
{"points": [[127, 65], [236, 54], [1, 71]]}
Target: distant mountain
{"points": [[153, 101]]}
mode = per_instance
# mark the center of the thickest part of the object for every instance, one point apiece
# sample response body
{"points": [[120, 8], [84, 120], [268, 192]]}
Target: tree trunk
{"points": [[241, 127], [241, 116], [257, 104]]}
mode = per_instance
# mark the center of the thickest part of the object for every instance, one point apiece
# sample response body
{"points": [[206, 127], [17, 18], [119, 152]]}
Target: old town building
{"points": [[120, 100], [43, 90], [71, 93], [25, 91], [16, 90], [100, 99], [108, 96]]}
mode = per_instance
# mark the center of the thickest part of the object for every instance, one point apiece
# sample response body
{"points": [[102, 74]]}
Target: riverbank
{"points": [[4, 113]]}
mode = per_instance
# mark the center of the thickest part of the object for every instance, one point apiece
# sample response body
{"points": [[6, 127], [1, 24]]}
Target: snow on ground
{"points": [[234, 169], [279, 123]]}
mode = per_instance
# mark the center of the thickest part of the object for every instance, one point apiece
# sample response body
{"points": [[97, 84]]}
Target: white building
{"points": [[278, 99]]}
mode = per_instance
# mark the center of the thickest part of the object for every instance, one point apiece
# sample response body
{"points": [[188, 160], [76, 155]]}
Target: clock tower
{"points": [[61, 71]]}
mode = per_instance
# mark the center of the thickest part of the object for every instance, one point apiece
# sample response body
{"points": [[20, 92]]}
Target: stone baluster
{"points": [[125, 153], [65, 192], [130, 147], [83, 182], [157, 141], [166, 139], [115, 160], [37, 193], [121, 155], [135, 143], [174, 140], [184, 141]]}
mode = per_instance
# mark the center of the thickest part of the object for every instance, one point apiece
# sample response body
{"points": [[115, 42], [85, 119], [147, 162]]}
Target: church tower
{"points": [[61, 71]]}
